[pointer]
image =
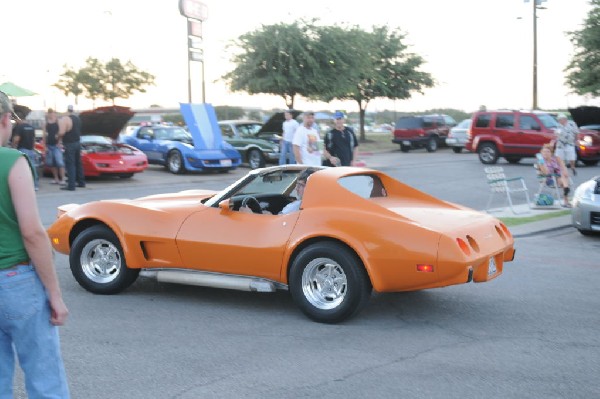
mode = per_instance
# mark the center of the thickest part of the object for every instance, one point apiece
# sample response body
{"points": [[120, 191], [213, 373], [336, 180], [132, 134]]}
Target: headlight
{"points": [[586, 141]]}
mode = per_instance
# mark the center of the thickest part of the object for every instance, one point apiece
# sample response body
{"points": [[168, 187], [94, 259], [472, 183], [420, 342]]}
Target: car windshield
{"points": [[249, 128], [172, 133], [548, 121], [279, 182], [85, 139]]}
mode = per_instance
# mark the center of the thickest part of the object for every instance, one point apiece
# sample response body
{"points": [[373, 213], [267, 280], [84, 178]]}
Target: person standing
{"points": [[69, 131], [341, 146], [31, 303], [54, 156], [565, 142], [307, 143], [286, 155], [23, 139]]}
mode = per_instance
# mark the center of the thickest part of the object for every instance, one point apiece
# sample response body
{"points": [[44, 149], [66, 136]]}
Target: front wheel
{"points": [[488, 153], [329, 283], [255, 159], [98, 263], [589, 163], [175, 162]]}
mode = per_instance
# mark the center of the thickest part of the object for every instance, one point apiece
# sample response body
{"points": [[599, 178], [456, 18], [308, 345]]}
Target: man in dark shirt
{"points": [[341, 146], [69, 130], [23, 139]]}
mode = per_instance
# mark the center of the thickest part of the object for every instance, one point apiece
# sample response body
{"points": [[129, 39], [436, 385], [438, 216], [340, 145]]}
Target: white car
{"points": [[457, 138], [586, 207]]}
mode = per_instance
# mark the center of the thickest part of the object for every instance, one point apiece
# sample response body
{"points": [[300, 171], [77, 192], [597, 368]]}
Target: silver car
{"points": [[457, 138], [586, 207]]}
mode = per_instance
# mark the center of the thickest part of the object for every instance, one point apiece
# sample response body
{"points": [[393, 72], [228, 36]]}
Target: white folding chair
{"points": [[500, 184]]}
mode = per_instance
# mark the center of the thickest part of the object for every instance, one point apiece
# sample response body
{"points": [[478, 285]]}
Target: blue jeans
{"points": [[34, 161], [73, 166], [25, 331], [286, 148]]}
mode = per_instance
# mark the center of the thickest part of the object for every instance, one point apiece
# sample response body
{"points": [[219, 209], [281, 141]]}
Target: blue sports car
{"points": [[173, 147]]}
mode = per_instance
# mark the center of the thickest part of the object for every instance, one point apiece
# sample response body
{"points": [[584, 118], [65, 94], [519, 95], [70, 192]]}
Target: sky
{"points": [[479, 52]]}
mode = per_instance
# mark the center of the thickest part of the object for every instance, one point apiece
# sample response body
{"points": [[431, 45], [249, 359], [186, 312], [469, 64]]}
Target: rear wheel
{"points": [[488, 153], [457, 150], [329, 283], [175, 162], [255, 159], [126, 175], [432, 144], [97, 262], [404, 148]]}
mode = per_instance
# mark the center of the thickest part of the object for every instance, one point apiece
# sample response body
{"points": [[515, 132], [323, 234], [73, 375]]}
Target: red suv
{"points": [[427, 131], [518, 134]]}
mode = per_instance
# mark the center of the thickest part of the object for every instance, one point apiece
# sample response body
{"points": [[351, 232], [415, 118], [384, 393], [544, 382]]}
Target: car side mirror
{"points": [[225, 206]]}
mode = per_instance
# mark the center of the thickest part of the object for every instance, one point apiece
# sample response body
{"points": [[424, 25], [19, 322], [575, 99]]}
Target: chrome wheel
{"points": [[174, 162], [255, 159], [324, 283], [100, 261], [488, 153]]}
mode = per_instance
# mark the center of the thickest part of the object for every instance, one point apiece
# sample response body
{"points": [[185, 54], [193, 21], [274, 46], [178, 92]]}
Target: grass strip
{"points": [[518, 221]]}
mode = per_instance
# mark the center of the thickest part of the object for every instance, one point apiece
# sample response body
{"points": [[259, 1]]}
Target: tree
{"points": [[107, 81], [225, 112], [383, 69], [70, 83], [276, 59], [583, 73]]}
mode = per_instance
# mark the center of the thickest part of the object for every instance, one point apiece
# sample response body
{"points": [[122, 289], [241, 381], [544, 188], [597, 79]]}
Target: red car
{"points": [[100, 156]]}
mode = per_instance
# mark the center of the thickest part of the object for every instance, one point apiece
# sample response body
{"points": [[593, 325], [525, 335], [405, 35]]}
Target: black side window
{"points": [[505, 121], [145, 131], [483, 120], [527, 122]]}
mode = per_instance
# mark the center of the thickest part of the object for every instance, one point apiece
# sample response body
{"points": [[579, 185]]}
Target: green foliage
{"points": [[326, 63], [107, 81], [176, 119], [583, 74]]}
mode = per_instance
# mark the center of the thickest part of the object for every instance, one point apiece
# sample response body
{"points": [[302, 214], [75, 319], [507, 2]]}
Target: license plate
{"points": [[225, 162], [406, 142], [492, 267]]}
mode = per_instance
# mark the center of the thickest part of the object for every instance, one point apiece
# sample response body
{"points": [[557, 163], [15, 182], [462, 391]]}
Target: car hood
{"points": [[161, 202], [585, 115], [105, 121], [273, 124]]}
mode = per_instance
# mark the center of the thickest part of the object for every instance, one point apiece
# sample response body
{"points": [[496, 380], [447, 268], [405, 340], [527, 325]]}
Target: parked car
{"points": [[369, 232], [429, 131], [519, 134], [243, 135], [586, 207], [173, 147], [457, 138], [100, 156]]}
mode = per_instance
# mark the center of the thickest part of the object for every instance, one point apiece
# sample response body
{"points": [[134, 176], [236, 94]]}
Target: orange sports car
{"points": [[356, 230]]}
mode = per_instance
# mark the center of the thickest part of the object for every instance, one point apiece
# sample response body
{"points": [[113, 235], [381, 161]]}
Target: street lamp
{"points": [[536, 5]]}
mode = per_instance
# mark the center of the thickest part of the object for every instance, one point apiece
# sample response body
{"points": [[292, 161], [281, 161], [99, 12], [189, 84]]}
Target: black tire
{"points": [[589, 163], [344, 287], [512, 159], [256, 159], [126, 175], [175, 162], [457, 150], [404, 148], [588, 232], [432, 144], [488, 153], [98, 263]]}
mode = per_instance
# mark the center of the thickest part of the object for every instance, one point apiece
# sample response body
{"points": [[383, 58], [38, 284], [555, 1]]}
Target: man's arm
{"points": [[64, 125], [297, 154]]}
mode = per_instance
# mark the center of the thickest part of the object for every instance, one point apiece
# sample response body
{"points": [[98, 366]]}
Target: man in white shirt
{"points": [[286, 155], [307, 142]]}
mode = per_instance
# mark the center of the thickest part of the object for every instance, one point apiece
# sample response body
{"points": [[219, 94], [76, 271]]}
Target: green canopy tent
{"points": [[12, 90]]}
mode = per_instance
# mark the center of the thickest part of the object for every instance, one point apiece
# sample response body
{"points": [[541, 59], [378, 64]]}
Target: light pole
{"points": [[536, 5]]}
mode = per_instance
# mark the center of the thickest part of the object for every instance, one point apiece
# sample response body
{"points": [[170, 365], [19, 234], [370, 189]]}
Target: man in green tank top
{"points": [[31, 304]]}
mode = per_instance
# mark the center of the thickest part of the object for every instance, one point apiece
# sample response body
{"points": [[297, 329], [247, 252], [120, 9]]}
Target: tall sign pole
{"points": [[535, 88], [196, 12]]}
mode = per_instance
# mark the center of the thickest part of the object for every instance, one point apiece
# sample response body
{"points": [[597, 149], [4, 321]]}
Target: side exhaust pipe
{"points": [[215, 280]]}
